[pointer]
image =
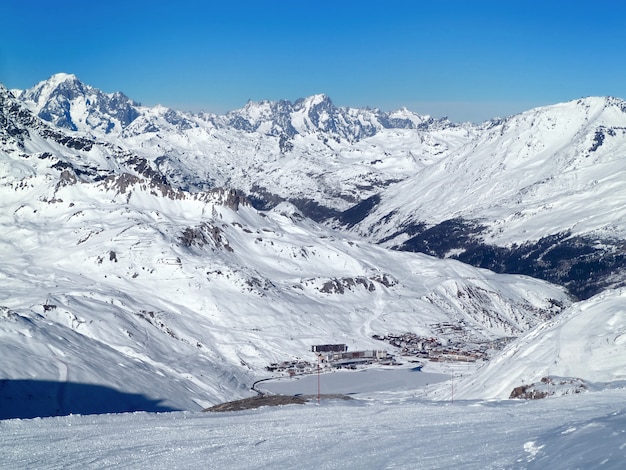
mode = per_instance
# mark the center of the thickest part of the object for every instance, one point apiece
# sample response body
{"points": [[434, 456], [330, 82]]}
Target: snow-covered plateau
{"points": [[160, 262]]}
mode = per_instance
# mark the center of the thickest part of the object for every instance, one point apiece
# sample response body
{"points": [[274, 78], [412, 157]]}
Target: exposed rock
{"points": [[339, 286], [204, 234], [271, 400], [550, 386]]}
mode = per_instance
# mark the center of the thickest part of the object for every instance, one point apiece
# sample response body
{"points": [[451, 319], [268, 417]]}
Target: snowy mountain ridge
{"points": [[179, 246], [525, 164], [193, 294], [321, 158], [540, 193], [68, 103]]}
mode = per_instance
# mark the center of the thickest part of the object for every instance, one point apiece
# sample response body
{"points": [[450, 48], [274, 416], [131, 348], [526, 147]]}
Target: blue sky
{"points": [[469, 60]]}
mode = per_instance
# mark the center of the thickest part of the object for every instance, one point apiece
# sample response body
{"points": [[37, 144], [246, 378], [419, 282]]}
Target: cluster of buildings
{"points": [[296, 367], [433, 349], [334, 356], [338, 356]]}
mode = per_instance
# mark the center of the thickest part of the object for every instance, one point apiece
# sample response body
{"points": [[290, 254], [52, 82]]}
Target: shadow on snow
{"points": [[38, 398]]}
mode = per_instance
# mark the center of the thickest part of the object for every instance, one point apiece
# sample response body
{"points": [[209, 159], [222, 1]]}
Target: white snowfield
{"points": [[582, 431], [92, 276]]}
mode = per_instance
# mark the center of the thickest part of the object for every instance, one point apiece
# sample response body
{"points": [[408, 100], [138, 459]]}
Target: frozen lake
{"points": [[351, 382]]}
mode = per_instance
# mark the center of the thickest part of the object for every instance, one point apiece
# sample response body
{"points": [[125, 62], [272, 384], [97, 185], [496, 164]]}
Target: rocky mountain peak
{"points": [[58, 85], [319, 101], [68, 103], [318, 115]]}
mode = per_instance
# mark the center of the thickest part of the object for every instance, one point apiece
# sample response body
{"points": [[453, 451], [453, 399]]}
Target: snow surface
{"points": [[586, 342], [583, 431], [545, 171]]}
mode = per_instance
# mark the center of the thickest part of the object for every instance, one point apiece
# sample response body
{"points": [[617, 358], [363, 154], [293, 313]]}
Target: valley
{"points": [[180, 255]]}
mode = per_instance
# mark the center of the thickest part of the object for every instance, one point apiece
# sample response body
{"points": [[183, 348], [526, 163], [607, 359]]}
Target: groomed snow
{"points": [[583, 431]]}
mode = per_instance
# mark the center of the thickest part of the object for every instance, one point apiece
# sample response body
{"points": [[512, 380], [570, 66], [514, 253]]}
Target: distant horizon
{"points": [[453, 107], [415, 107], [469, 61]]}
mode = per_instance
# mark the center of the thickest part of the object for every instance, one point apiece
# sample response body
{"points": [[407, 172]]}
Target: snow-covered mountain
{"points": [[193, 294], [524, 177], [577, 351], [320, 157], [193, 250], [66, 102], [538, 193]]}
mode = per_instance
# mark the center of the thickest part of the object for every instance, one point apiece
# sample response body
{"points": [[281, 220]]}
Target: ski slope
{"points": [[583, 431]]}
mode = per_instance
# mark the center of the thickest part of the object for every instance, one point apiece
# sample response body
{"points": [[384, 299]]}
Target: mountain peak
{"points": [[61, 83], [62, 77], [608, 102], [66, 102], [317, 99], [314, 101], [60, 80]]}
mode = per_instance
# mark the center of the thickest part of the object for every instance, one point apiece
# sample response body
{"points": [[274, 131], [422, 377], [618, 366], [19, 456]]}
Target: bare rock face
{"points": [[527, 392], [549, 386], [271, 400], [205, 234], [339, 286]]}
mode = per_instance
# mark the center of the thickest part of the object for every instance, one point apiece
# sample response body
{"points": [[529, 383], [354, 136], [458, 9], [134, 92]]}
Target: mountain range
{"points": [[193, 250], [536, 193]]}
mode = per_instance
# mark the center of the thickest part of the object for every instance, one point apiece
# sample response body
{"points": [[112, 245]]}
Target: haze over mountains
{"points": [[176, 255]]}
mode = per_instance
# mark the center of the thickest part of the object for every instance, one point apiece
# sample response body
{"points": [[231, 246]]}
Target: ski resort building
{"points": [[337, 355], [326, 348]]}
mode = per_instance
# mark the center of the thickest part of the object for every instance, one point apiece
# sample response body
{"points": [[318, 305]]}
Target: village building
{"points": [[337, 355], [326, 348]]}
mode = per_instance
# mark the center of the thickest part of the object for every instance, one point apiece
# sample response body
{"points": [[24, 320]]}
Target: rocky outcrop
{"points": [[549, 386]]}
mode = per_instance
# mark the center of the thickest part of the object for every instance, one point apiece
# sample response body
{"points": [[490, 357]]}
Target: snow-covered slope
{"points": [[548, 170], [186, 297], [541, 193], [574, 432], [585, 342]]}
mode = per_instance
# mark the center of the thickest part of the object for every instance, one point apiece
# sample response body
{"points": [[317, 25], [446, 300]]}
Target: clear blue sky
{"points": [[468, 59]]}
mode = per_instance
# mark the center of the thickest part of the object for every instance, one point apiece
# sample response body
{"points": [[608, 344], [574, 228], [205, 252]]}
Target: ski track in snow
{"points": [[586, 431], [62, 365]]}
